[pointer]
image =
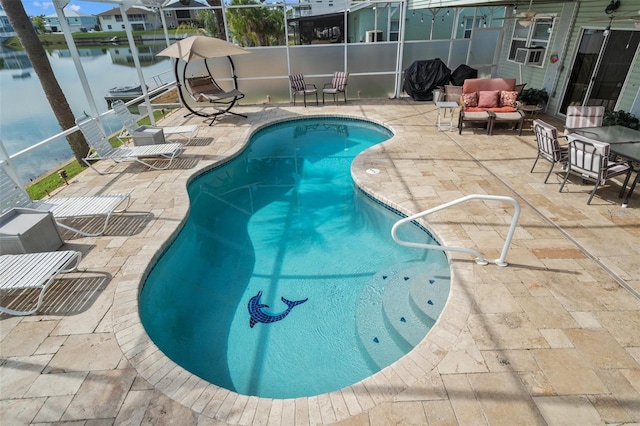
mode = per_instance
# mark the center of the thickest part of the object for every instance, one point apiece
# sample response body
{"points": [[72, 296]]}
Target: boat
{"points": [[112, 40], [132, 90], [23, 74], [125, 93]]}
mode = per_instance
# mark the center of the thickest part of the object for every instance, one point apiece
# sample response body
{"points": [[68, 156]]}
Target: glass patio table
{"points": [[623, 141]]}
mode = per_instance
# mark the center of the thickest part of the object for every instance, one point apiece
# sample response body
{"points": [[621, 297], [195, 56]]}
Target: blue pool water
{"points": [[284, 220]]}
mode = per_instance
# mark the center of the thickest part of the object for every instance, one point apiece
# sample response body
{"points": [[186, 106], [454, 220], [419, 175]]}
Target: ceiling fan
{"points": [[525, 18], [622, 17]]}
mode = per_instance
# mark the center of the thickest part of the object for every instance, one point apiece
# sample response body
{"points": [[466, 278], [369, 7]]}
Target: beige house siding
{"points": [[591, 15]]}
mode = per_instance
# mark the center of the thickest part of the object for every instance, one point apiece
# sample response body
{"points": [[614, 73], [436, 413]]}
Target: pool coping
{"points": [[216, 402]]}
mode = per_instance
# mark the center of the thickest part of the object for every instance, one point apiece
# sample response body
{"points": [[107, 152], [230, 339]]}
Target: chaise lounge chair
{"points": [[131, 125], [34, 271], [206, 89], [13, 195], [101, 149]]}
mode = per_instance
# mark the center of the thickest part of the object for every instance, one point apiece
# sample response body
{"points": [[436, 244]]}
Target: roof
{"points": [[71, 14], [130, 11], [178, 5]]}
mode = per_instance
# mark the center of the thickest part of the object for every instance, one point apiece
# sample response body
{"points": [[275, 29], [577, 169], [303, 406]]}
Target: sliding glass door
{"points": [[600, 68]]}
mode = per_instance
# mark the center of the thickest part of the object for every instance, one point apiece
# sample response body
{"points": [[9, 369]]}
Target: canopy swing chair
{"points": [[205, 89]]}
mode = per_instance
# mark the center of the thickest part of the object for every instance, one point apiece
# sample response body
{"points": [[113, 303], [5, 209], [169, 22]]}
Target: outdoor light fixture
{"points": [[612, 7], [607, 30]]}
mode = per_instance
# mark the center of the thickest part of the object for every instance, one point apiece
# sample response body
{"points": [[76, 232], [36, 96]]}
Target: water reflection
{"points": [[26, 117]]}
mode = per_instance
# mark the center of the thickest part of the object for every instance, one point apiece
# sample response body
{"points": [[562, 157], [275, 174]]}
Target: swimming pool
{"points": [[284, 281]]}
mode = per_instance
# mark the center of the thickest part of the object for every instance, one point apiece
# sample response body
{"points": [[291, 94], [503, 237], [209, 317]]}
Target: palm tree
{"points": [[35, 52]]}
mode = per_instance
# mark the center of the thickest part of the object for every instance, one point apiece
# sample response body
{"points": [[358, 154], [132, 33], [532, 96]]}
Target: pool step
{"points": [[407, 318], [389, 322], [430, 293]]}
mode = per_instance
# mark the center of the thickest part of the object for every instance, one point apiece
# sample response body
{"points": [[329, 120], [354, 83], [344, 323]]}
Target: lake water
{"points": [[26, 117]]}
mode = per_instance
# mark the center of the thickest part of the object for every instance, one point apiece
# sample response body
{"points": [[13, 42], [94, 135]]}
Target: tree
{"points": [[208, 21], [38, 22], [23, 27], [219, 20], [256, 26]]}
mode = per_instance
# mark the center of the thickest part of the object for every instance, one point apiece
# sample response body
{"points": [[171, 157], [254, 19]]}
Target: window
{"points": [[529, 42], [168, 13], [394, 30], [468, 23]]}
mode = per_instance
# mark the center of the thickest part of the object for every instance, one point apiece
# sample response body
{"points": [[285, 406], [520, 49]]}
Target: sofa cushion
{"points": [[508, 98], [470, 99], [488, 98]]}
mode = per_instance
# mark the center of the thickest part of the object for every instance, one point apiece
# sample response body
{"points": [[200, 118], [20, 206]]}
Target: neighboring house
{"points": [[140, 19], [6, 30], [177, 13], [77, 22], [316, 7]]}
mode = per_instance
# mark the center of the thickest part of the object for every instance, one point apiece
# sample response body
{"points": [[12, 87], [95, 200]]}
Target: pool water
{"points": [[285, 281]]}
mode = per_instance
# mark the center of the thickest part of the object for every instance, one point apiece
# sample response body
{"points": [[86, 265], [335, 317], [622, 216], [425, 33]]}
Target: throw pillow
{"points": [[470, 99], [488, 98], [508, 98]]}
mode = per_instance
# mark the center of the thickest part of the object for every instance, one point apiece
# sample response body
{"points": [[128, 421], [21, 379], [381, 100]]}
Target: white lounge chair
{"points": [[34, 271], [131, 125], [101, 149], [12, 195]]}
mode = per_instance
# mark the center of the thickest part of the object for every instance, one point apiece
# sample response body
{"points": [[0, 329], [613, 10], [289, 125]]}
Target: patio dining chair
{"points": [[338, 85], [583, 116], [299, 87], [589, 160], [549, 147]]}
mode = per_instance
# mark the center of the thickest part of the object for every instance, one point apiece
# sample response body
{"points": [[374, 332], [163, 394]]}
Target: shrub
{"points": [[621, 118], [534, 96]]}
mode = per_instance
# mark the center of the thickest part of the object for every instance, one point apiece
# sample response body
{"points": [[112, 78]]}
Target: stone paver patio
{"points": [[554, 338]]}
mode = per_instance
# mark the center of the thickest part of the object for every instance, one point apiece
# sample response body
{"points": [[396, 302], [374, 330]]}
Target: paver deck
{"points": [[554, 338]]}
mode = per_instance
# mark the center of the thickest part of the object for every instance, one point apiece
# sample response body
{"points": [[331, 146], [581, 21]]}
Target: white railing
{"points": [[479, 258], [74, 129]]}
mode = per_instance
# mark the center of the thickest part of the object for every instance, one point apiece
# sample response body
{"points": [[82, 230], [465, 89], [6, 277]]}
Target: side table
{"points": [[28, 231], [442, 113], [147, 135], [530, 112]]}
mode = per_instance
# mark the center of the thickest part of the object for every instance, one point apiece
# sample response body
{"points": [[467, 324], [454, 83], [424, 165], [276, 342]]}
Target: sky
{"points": [[40, 7]]}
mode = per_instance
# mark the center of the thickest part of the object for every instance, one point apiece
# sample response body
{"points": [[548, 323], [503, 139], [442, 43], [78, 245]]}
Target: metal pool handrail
{"points": [[479, 258]]}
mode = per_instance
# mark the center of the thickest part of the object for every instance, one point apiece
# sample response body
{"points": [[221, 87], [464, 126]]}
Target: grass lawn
{"points": [[50, 182]]}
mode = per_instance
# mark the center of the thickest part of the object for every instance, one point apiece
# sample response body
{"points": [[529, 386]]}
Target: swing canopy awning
{"points": [[196, 48]]}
